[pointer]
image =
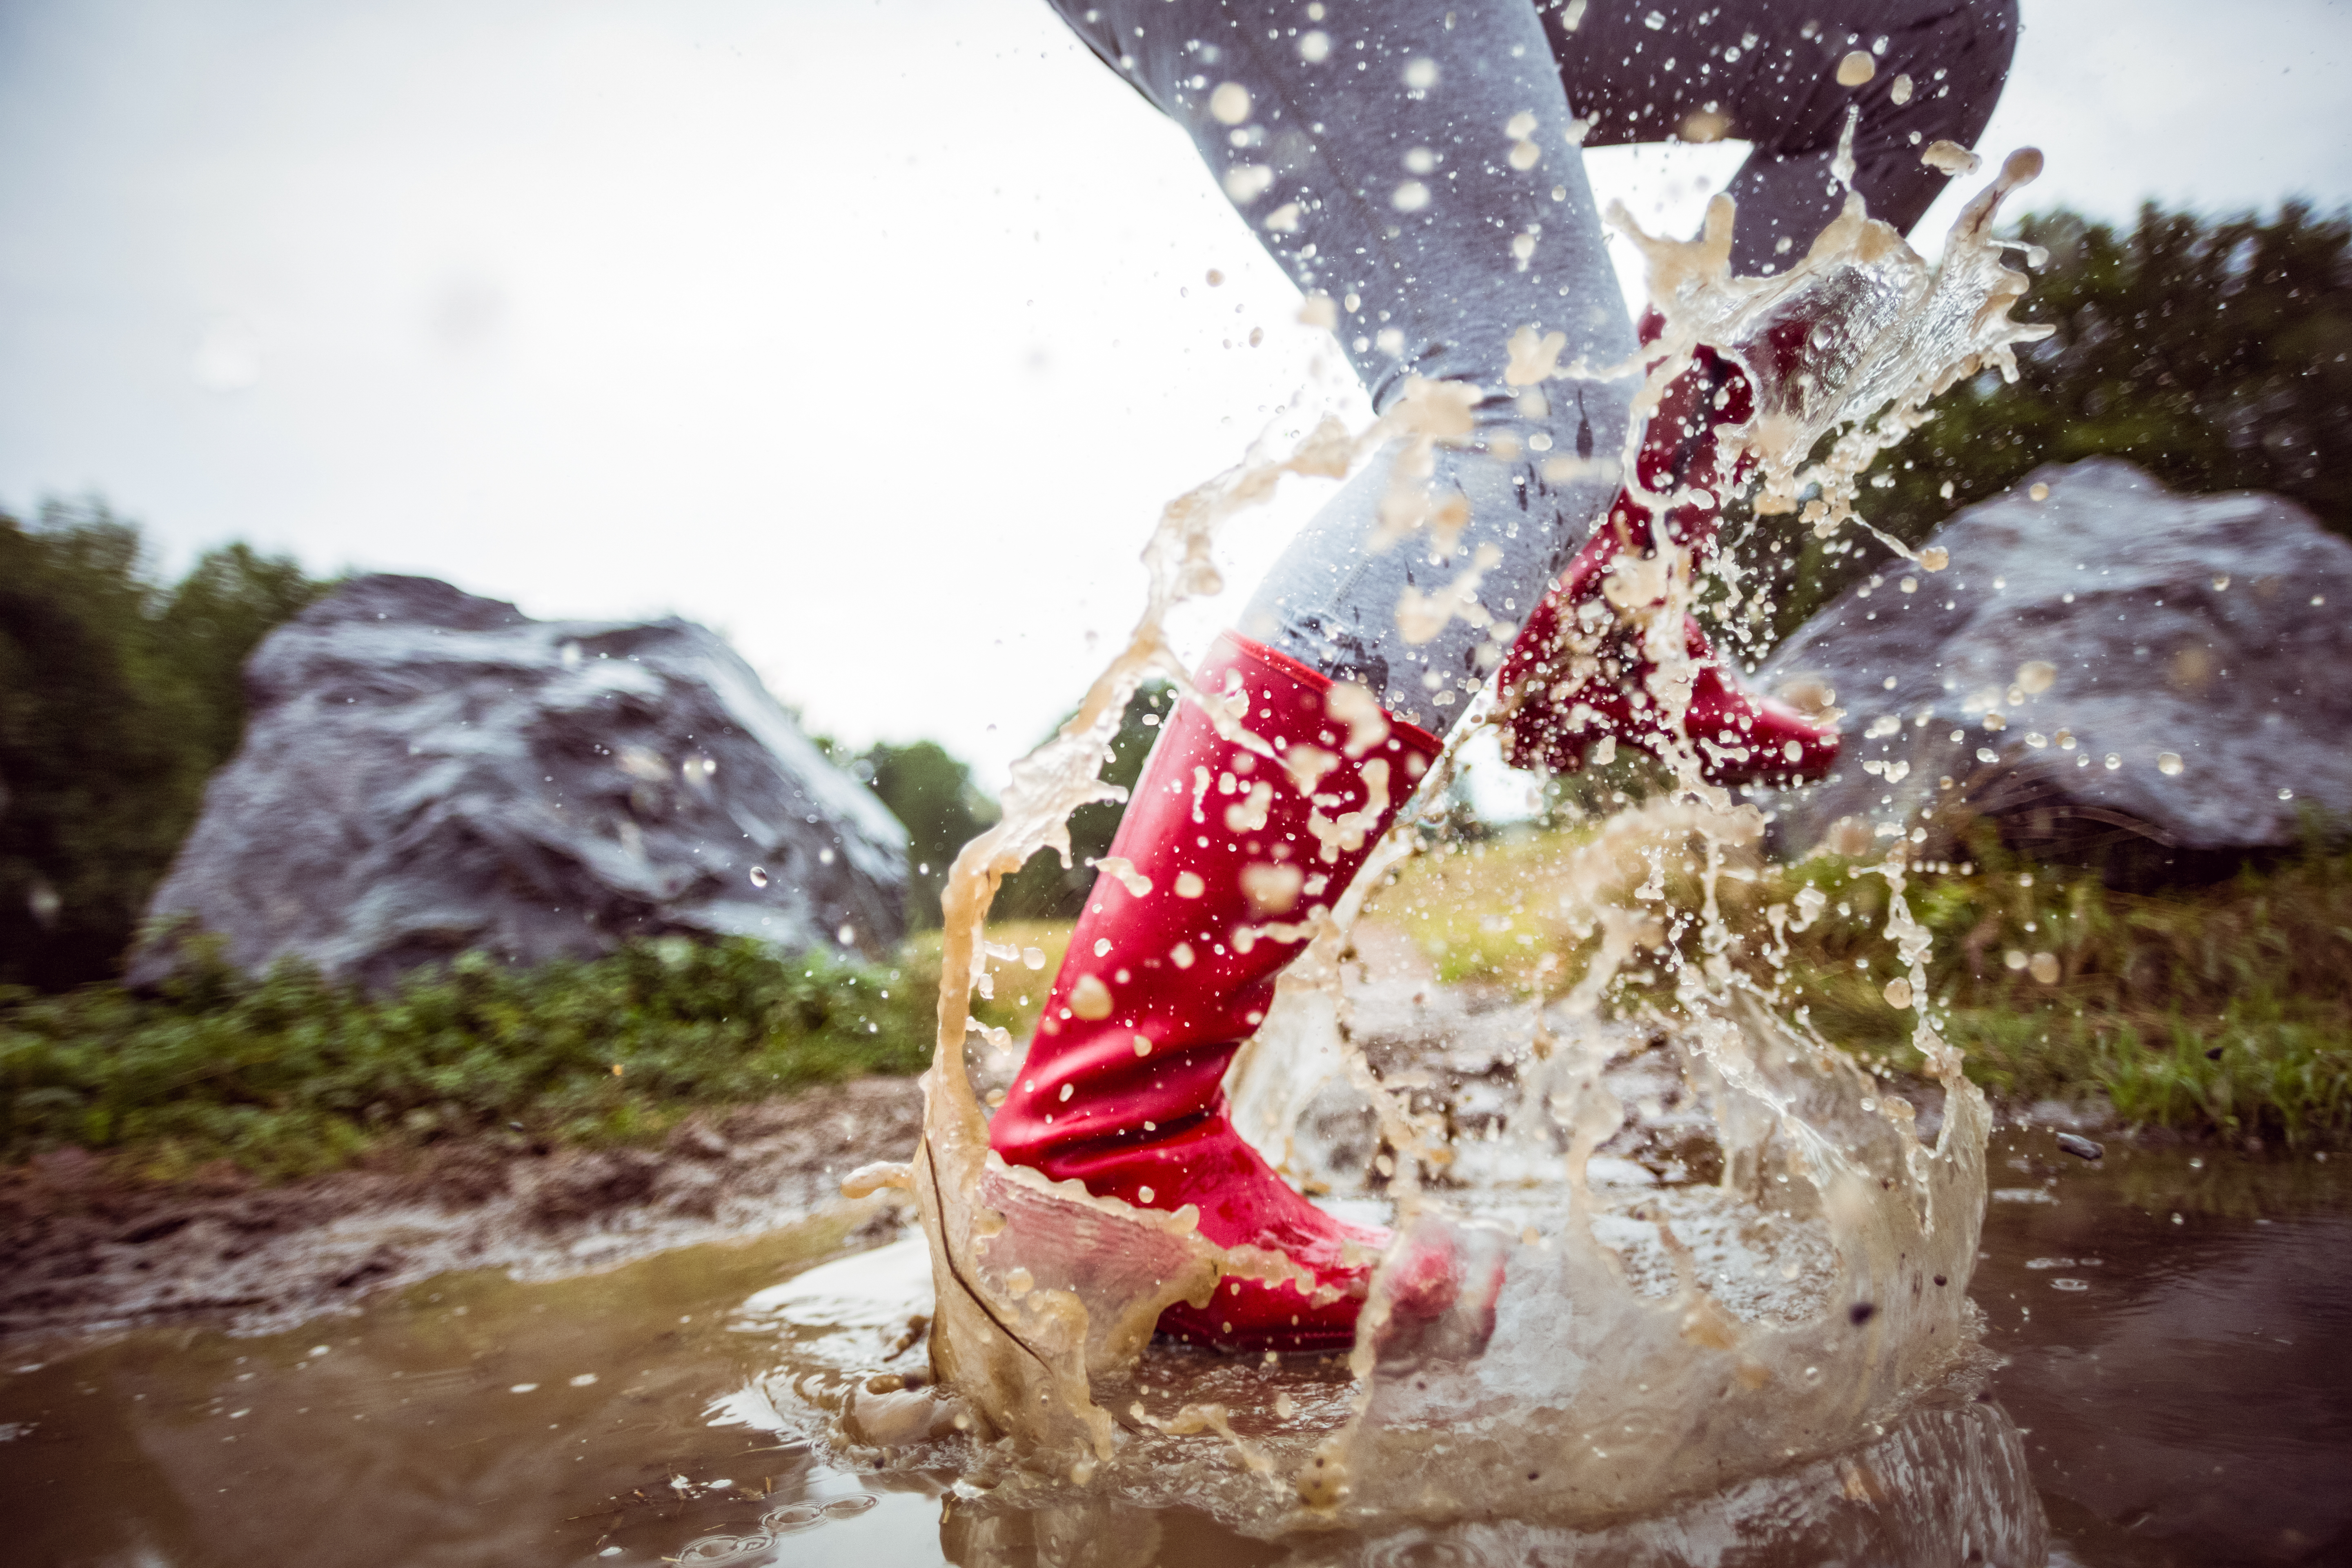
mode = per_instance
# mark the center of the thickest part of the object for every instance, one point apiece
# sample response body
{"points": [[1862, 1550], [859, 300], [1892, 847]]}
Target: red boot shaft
{"points": [[1565, 704], [1166, 975]]}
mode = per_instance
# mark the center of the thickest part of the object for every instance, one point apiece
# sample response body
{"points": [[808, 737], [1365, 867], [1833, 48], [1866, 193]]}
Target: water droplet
{"points": [[758, 876], [1856, 69], [1421, 73], [1245, 183], [1230, 104], [792, 1515], [1090, 999], [1410, 196], [2168, 764]]}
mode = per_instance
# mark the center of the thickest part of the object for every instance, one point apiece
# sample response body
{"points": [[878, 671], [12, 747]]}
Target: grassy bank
{"points": [[2224, 1009], [288, 1074]]}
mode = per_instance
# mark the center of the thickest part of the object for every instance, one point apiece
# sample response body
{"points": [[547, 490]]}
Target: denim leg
{"points": [[1413, 161]]}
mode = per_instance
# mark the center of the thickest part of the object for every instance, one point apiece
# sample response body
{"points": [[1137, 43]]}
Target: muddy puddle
{"points": [[2177, 1361]]}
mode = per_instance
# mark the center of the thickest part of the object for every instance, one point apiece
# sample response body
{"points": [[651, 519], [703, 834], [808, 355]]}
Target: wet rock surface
{"points": [[2123, 667], [82, 1249], [424, 772]]}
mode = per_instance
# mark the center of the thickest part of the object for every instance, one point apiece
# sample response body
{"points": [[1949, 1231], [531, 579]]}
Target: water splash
{"points": [[1615, 1346]]}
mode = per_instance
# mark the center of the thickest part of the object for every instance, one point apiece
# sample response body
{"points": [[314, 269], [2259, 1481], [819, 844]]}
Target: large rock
{"points": [[2112, 669], [424, 771]]}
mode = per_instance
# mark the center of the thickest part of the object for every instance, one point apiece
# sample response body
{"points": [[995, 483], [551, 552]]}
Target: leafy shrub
{"points": [[2216, 352], [2225, 1008], [288, 1073], [118, 698]]}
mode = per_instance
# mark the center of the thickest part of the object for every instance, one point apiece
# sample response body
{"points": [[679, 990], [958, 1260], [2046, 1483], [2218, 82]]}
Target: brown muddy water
{"points": [[2175, 1335]]}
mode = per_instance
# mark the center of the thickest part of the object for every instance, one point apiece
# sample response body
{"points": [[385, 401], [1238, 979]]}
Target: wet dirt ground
{"points": [[2182, 1382], [83, 1251]]}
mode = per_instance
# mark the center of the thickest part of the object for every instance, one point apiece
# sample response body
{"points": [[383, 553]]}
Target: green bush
{"points": [[932, 794], [289, 1074], [118, 698], [2216, 352], [2224, 1008], [1045, 889]]}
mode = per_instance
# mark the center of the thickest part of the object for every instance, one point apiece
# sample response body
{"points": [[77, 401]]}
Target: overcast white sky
{"points": [[872, 332]]}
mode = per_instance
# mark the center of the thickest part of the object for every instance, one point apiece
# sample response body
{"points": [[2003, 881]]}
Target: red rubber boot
{"points": [[1167, 974], [1571, 695]]}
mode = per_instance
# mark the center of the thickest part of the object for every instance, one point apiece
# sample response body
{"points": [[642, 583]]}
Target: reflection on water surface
{"points": [[2181, 1386]]}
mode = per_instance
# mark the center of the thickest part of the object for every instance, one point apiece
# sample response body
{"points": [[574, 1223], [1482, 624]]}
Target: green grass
{"points": [[288, 1074], [2224, 1009]]}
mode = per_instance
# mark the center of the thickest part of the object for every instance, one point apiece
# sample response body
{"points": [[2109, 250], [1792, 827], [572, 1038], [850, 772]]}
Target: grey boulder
{"points": [[2112, 667], [425, 773]]}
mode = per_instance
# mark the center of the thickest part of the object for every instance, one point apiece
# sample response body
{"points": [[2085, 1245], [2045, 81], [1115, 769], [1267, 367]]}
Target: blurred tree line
{"points": [[119, 695], [935, 797], [2216, 354]]}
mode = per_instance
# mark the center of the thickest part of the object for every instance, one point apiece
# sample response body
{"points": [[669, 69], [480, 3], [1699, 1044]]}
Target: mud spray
{"points": [[1639, 1344]]}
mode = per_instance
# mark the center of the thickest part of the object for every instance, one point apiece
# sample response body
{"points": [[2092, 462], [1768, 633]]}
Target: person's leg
{"points": [[1415, 165], [1770, 71], [1410, 206], [1766, 71]]}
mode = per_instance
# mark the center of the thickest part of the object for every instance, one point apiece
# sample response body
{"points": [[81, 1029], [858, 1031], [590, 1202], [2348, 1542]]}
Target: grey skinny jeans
{"points": [[1415, 161]]}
